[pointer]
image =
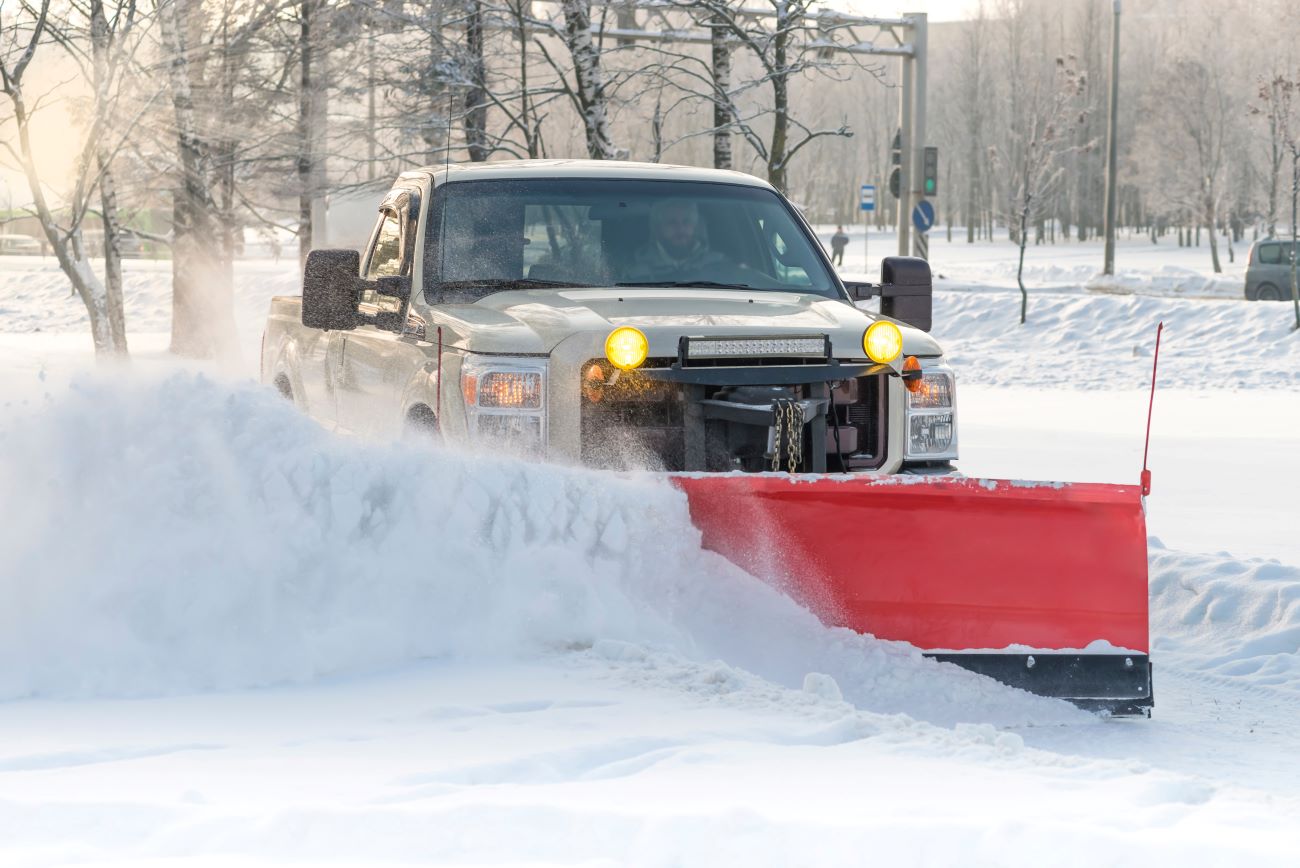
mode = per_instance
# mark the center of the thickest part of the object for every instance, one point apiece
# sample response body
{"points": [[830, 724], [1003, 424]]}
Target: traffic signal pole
{"points": [[915, 155], [1108, 264], [905, 161]]}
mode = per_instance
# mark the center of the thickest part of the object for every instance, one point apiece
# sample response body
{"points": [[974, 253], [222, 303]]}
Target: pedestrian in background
{"points": [[839, 241]]}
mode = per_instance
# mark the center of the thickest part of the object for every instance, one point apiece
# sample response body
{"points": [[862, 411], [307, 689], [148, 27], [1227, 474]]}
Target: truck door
{"points": [[377, 363], [321, 364]]}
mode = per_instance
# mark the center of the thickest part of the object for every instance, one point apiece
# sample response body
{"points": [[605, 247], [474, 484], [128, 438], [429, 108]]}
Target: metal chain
{"points": [[777, 425], [794, 439], [790, 427]]}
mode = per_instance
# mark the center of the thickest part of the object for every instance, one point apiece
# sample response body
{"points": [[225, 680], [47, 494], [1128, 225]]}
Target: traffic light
{"points": [[896, 158], [930, 172]]}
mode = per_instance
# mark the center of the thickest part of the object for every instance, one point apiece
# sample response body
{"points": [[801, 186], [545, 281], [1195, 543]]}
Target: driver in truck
{"points": [[677, 240]]}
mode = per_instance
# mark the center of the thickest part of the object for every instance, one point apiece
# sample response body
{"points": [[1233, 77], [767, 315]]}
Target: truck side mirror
{"points": [[331, 289], [907, 291], [396, 286]]}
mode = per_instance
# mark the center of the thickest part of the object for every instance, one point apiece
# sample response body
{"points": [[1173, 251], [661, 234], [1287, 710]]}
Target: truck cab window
{"points": [[517, 233], [387, 259], [386, 256]]}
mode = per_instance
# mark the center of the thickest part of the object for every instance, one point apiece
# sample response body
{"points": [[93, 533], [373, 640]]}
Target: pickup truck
{"points": [[615, 315]]}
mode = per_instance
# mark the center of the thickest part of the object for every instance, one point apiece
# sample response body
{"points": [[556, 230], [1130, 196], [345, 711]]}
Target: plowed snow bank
{"points": [[1074, 340], [1228, 617], [187, 535]]}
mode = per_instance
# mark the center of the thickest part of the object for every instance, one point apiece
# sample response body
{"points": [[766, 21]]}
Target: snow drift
{"points": [[185, 535], [1225, 617], [1076, 340]]}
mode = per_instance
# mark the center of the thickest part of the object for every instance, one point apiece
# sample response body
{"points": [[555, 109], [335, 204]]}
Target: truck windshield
{"points": [[489, 235]]}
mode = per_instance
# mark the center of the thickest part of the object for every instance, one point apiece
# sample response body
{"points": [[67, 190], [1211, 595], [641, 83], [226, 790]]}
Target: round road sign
{"points": [[923, 216]]}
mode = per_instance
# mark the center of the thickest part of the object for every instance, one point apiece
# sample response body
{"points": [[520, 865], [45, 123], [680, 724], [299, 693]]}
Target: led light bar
{"points": [[814, 346]]}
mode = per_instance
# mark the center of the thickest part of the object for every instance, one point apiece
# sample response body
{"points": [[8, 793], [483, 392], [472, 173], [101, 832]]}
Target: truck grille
{"points": [[633, 422]]}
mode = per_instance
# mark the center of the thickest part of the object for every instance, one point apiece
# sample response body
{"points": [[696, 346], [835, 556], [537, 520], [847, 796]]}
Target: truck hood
{"points": [[535, 321]]}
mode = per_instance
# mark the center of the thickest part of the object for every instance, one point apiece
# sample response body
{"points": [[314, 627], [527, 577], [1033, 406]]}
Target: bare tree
{"points": [[590, 91], [1271, 101], [1279, 102], [202, 302], [1199, 109], [22, 36], [973, 105], [1048, 119]]}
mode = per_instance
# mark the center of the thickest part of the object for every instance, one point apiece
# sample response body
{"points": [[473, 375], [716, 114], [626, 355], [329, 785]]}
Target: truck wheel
{"points": [[422, 425], [1268, 292], [282, 386]]}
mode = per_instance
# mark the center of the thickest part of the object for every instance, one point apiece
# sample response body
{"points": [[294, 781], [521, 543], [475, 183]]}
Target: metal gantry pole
{"points": [[1108, 265], [916, 154], [905, 158]]}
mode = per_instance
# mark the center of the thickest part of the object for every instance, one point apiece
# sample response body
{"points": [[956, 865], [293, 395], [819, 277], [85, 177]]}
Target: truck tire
{"points": [[422, 425], [1268, 292], [282, 386]]}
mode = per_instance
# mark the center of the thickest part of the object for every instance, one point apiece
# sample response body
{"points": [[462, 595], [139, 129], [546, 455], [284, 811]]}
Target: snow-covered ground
{"points": [[231, 638]]}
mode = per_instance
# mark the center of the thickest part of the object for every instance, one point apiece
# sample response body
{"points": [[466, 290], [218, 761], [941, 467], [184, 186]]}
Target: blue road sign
{"points": [[868, 200], [923, 216]]}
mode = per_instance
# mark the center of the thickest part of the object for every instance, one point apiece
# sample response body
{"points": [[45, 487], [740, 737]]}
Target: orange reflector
{"points": [[912, 363], [593, 383]]}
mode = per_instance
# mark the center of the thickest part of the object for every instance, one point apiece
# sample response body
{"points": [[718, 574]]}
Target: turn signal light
{"points": [[914, 383], [593, 383]]}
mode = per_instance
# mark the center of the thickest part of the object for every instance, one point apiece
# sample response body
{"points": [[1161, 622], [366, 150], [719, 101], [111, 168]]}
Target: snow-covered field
{"points": [[227, 640]]}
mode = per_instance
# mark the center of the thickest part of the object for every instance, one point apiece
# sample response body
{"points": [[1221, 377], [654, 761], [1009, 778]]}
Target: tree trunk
{"points": [[68, 249], [657, 131], [776, 168], [1020, 266], [1295, 251], [306, 119], [592, 100], [100, 39], [476, 108], [1209, 230], [202, 302], [971, 202], [722, 117]]}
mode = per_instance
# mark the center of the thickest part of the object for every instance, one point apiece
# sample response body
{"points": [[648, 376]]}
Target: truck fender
{"points": [[421, 391], [288, 367]]}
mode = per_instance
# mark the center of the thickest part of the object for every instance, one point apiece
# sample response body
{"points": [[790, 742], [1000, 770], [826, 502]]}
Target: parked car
{"points": [[1268, 272], [23, 245]]}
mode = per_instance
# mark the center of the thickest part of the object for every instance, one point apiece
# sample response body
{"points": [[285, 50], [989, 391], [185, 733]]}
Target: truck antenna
{"points": [[442, 215], [1146, 448]]}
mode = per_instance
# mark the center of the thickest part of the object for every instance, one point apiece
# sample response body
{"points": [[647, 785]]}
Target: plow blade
{"points": [[1040, 585]]}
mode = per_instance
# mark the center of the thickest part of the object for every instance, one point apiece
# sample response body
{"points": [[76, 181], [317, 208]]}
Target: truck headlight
{"points": [[507, 390], [932, 415], [505, 402]]}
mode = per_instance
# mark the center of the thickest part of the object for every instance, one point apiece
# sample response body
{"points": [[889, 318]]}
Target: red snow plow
{"points": [[1042, 586]]}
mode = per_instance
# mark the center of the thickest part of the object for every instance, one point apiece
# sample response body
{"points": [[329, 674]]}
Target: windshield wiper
{"points": [[702, 284], [512, 283]]}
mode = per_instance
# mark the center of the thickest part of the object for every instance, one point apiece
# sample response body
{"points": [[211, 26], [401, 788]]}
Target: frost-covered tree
{"points": [[1048, 116], [1279, 101], [94, 37]]}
